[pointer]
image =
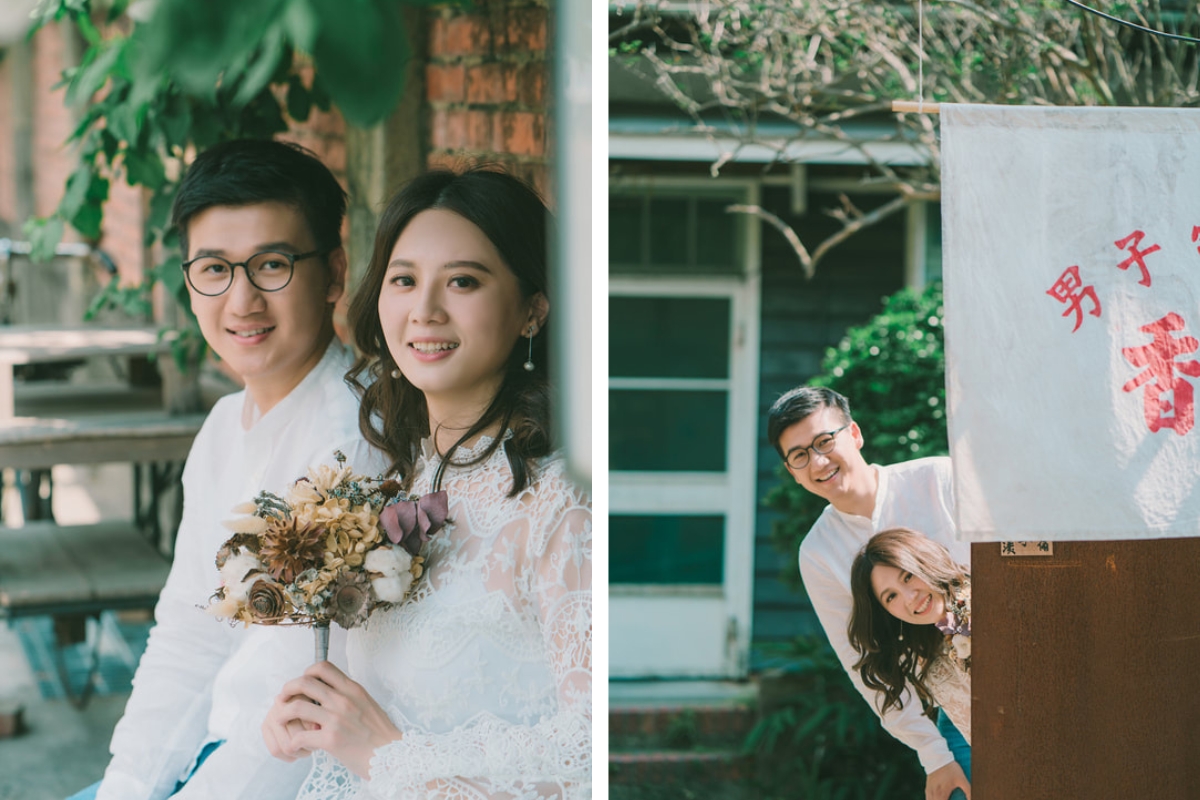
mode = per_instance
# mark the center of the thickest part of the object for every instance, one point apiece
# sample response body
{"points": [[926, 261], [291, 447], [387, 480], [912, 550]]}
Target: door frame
{"points": [[700, 492]]}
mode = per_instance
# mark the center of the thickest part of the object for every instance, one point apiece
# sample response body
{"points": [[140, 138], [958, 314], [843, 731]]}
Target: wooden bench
{"points": [[42, 442], [41, 344], [79, 569], [66, 399], [73, 572]]}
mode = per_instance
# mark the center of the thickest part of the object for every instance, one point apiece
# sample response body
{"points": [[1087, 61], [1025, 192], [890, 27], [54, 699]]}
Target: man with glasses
{"points": [[821, 445], [260, 229]]}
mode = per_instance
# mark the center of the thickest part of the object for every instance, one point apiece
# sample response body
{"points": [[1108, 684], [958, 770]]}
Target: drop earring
{"points": [[529, 359], [395, 372], [902, 630]]}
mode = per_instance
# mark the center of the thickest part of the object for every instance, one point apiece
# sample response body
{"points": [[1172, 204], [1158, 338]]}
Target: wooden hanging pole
{"points": [[920, 106], [915, 107]]}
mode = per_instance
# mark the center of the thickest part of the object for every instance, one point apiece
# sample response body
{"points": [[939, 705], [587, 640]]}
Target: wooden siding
{"points": [[800, 319]]}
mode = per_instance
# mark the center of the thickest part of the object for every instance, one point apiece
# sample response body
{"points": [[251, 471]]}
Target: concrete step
{"points": [[726, 790], [679, 727], [693, 767]]}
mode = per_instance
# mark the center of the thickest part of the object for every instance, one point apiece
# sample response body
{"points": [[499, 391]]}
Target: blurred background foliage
{"points": [[892, 370], [819, 740], [161, 80]]}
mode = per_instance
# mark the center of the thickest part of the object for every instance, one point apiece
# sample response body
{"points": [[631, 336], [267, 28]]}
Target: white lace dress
{"points": [[950, 686], [486, 668]]}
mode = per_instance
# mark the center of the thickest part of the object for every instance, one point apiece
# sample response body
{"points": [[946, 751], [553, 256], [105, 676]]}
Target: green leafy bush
{"points": [[819, 739], [892, 370]]}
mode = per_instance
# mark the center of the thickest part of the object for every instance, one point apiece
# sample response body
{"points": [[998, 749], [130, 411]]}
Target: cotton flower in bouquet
{"points": [[336, 547]]}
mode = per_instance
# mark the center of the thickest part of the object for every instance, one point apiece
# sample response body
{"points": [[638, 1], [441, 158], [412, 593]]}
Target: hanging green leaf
{"points": [[195, 43], [93, 73], [270, 55], [299, 102], [43, 234], [122, 121], [159, 216], [362, 57], [77, 191], [144, 168], [171, 275]]}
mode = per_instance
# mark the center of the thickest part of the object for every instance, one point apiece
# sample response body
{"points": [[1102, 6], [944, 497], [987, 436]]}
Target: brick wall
{"points": [[8, 171], [52, 121], [487, 85]]}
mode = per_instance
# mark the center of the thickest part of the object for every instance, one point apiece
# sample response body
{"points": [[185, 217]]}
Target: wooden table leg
{"points": [[7, 403]]}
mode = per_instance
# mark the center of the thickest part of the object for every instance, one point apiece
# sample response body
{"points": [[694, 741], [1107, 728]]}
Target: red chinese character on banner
{"points": [[1069, 288], [1159, 359], [1135, 255], [1196, 235]]}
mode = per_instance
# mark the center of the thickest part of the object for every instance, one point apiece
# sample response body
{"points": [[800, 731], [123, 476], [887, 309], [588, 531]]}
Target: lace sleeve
{"points": [[950, 686], [490, 758]]}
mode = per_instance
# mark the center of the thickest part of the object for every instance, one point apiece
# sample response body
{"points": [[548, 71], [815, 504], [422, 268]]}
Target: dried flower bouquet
{"points": [[335, 548]]}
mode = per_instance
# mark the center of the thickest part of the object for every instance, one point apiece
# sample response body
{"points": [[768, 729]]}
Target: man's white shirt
{"points": [[913, 494], [201, 679]]}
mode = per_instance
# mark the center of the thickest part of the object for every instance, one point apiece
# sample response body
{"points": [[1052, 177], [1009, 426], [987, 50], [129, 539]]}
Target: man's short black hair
{"points": [[248, 171], [797, 405]]}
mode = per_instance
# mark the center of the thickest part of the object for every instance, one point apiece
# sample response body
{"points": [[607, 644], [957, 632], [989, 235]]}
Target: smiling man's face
{"points": [[270, 339], [834, 474]]}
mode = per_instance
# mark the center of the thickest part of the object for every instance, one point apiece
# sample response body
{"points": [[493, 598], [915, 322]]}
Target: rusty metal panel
{"points": [[1085, 672]]}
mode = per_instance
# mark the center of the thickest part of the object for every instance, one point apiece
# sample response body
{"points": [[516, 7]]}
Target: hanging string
{"points": [[1134, 25], [920, 56]]}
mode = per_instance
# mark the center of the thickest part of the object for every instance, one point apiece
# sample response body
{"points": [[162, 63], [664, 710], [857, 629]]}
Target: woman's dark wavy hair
{"points": [[886, 662], [393, 415]]}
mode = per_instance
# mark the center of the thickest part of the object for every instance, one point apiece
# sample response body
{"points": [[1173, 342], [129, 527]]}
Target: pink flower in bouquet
{"points": [[410, 523]]}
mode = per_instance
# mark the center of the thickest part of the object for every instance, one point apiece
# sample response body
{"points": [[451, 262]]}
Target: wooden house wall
{"points": [[800, 320]]}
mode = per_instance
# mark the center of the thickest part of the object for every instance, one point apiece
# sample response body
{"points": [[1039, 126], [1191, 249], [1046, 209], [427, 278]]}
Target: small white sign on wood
{"points": [[1072, 310]]}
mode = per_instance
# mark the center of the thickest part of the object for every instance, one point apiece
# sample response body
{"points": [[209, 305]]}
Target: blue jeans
{"points": [[90, 792], [958, 747]]}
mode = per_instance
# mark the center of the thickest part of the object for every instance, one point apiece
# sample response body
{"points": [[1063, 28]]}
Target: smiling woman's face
{"points": [[906, 597], [451, 311]]}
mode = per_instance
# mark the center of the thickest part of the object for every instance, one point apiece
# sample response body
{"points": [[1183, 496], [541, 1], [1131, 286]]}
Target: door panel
{"points": [[683, 378], [666, 549]]}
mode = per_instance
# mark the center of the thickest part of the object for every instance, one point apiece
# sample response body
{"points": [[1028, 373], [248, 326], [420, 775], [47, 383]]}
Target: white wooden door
{"points": [[683, 365]]}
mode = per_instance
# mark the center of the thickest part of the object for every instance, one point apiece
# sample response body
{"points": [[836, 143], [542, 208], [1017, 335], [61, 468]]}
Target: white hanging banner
{"points": [[1071, 247]]}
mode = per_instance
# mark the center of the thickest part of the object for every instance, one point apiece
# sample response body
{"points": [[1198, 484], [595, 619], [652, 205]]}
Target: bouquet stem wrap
{"points": [[321, 640]]}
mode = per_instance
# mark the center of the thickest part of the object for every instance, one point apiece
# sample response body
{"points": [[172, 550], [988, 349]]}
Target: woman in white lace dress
{"points": [[479, 685], [911, 626]]}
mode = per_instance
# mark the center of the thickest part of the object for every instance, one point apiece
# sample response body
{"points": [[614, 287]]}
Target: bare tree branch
{"points": [[827, 66], [806, 261]]}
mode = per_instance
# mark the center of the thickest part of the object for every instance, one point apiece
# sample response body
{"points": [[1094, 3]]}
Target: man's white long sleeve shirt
{"points": [[914, 494], [201, 679]]}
